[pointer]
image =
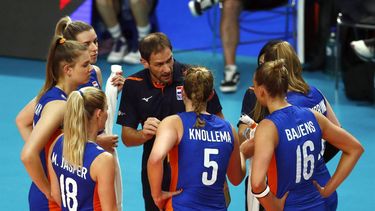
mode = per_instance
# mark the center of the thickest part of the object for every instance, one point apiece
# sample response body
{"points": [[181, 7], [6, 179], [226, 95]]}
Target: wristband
{"points": [[262, 194]]}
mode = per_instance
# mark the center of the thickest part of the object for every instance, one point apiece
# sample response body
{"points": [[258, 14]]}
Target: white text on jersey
{"points": [[210, 136], [301, 130], [80, 171]]}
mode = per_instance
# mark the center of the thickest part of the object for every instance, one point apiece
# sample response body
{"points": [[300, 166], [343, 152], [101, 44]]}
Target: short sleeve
{"points": [[214, 105], [127, 114]]}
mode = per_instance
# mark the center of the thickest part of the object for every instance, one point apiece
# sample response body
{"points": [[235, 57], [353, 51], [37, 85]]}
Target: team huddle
{"points": [[189, 150]]}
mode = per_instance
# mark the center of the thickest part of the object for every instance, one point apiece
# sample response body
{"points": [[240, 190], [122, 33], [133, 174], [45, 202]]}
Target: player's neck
{"points": [[277, 104], [189, 107], [66, 87]]}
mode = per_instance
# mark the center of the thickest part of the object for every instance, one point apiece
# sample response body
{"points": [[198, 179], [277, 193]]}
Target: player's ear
{"points": [[67, 69], [145, 63], [98, 113]]}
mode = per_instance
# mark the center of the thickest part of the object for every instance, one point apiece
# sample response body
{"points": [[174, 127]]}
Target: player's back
{"points": [[296, 158], [78, 190], [199, 163], [314, 99]]}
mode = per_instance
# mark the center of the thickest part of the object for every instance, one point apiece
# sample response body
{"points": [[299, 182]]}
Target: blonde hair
{"points": [[198, 86], [81, 106], [274, 77], [284, 50], [60, 51], [70, 29]]}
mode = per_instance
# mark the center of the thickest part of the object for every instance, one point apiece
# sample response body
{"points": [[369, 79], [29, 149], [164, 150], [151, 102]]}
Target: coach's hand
{"points": [[107, 142], [149, 128]]}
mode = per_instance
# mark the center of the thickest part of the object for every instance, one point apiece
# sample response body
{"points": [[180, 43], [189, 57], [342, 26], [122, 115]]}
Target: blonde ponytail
{"points": [[81, 106]]}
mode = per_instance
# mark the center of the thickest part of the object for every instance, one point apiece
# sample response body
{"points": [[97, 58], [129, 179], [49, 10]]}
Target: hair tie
{"points": [[80, 92], [62, 40]]}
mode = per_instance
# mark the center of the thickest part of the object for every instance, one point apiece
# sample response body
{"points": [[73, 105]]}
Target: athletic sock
{"points": [[143, 31], [229, 71], [115, 31]]}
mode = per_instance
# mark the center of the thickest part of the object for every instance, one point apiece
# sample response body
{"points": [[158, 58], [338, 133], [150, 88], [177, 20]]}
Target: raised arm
{"points": [[348, 144], [51, 119], [24, 120], [134, 137]]}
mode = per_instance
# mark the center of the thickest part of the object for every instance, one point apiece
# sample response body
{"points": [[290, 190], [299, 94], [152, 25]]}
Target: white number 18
{"points": [[68, 188]]}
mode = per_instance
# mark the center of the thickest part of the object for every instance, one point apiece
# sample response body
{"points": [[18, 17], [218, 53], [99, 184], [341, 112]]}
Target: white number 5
{"points": [[209, 163]]}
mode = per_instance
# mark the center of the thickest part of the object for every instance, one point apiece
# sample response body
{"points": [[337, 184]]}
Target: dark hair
{"points": [[274, 77], [198, 86], [153, 43], [70, 29]]}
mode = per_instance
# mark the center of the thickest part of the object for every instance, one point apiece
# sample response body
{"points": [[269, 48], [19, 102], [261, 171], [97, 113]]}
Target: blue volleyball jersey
{"points": [[51, 95], [37, 200], [295, 160], [78, 190], [94, 82], [199, 163], [313, 99]]}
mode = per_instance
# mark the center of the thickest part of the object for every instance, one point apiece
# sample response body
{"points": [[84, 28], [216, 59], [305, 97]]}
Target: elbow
{"points": [[25, 157], [257, 186], [152, 161], [358, 150], [126, 142], [18, 121], [361, 150]]}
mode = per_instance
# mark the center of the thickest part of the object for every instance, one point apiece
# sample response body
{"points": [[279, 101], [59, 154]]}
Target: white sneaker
{"points": [[230, 81], [132, 58], [363, 51], [118, 50], [198, 6]]}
